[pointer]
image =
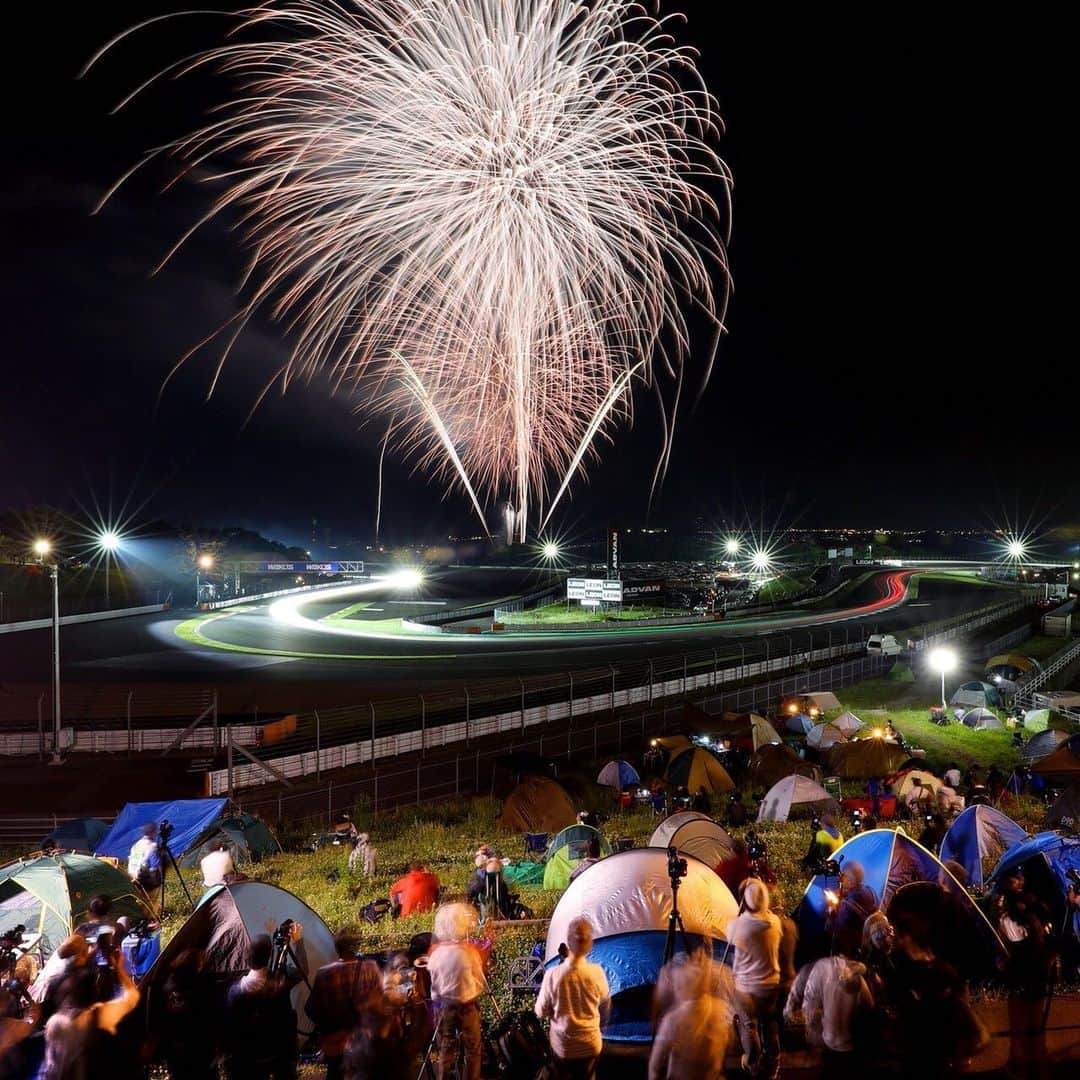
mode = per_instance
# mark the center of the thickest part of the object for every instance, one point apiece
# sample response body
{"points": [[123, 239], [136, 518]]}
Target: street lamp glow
{"points": [[943, 660], [550, 550], [761, 561], [731, 546], [109, 541], [205, 562], [42, 547], [1016, 549]]}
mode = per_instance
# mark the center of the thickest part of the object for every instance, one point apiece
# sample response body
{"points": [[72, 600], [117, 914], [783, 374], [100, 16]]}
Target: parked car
{"points": [[882, 645]]}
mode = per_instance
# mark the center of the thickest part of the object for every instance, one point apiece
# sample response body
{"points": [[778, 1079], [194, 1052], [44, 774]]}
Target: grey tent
{"points": [[1065, 811], [976, 695], [248, 839], [982, 720], [1046, 742], [222, 926]]}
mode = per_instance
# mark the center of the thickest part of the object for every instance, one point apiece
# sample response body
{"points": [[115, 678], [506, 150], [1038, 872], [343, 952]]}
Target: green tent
{"points": [[51, 894], [1037, 719], [247, 837], [566, 851]]}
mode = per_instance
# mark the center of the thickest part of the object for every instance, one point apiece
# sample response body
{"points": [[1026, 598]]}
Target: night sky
{"points": [[899, 349]]}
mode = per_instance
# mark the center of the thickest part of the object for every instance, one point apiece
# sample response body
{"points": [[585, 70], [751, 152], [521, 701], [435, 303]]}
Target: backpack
{"points": [[375, 911], [518, 1047]]}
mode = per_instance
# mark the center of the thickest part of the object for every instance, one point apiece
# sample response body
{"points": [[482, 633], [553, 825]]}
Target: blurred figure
{"points": [[735, 869], [260, 1029], [693, 1034], [344, 829], [755, 935], [592, 856], [189, 1022], [789, 940], [144, 859], [216, 864], [417, 891], [573, 995], [364, 856], [98, 917], [952, 775], [934, 830], [736, 811], [80, 1037], [857, 903], [701, 802], [828, 839], [342, 994]]}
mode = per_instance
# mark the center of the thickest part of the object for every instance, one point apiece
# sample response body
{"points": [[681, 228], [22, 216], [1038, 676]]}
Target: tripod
{"points": [[675, 923], [165, 860], [426, 1069]]}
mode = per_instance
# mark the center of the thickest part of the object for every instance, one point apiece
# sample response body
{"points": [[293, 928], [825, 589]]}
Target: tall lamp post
{"points": [[202, 563], [42, 549], [944, 661]]}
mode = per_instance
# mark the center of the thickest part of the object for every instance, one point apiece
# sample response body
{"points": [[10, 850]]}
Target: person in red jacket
{"points": [[417, 891]]}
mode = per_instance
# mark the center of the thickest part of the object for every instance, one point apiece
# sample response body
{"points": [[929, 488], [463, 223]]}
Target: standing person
{"points": [[417, 891], [80, 1037], [952, 775], [260, 1030], [144, 859], [735, 869], [98, 917], [187, 1019], [755, 935], [343, 993], [857, 903], [789, 941], [572, 995], [692, 1037], [592, 856], [828, 839], [216, 864], [456, 968]]}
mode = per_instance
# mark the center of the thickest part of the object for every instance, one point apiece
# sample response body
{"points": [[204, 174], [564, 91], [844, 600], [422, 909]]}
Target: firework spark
{"points": [[485, 217]]}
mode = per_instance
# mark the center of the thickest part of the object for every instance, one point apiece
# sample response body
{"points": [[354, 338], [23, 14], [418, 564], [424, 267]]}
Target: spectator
{"points": [[217, 864], [736, 813], [188, 1024], [700, 802], [456, 968], [952, 775], [828, 996], [920, 798], [144, 859], [789, 940], [756, 935], [80, 1037], [828, 839], [857, 903], [592, 856], [873, 789], [260, 1031], [572, 995], [693, 1036], [344, 829], [343, 993], [934, 829], [98, 917], [949, 801], [417, 891], [735, 869], [995, 783]]}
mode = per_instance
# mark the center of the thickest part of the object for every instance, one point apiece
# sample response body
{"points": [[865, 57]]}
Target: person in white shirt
{"points": [[952, 775], [572, 995], [755, 934], [216, 864], [144, 861], [829, 999]]}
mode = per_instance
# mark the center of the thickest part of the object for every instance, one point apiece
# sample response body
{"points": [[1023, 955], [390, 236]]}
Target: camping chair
{"points": [[621, 843], [832, 785], [624, 800], [536, 843]]}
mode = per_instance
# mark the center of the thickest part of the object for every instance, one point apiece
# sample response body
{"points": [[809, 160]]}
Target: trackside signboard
{"points": [[594, 589], [300, 567]]}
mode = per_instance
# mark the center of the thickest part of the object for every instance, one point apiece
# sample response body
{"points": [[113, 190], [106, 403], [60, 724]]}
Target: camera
{"points": [[164, 831], [283, 934], [829, 867], [756, 848], [815, 823], [676, 866]]}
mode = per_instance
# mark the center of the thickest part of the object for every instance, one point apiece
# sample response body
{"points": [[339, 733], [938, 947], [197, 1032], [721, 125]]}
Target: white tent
{"points": [[695, 835], [763, 732], [822, 736], [824, 699], [792, 795], [618, 774], [848, 723], [982, 720], [914, 778]]}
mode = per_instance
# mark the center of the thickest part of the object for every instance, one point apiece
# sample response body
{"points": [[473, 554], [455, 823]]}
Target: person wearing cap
{"points": [[573, 995]]}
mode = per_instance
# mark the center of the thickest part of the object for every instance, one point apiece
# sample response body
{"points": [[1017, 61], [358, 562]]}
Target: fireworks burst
{"points": [[485, 217]]}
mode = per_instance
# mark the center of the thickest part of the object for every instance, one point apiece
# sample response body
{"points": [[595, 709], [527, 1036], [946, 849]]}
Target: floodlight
{"points": [[109, 541], [731, 546], [942, 660], [42, 547], [550, 550], [407, 579], [761, 560], [205, 562], [1016, 549]]}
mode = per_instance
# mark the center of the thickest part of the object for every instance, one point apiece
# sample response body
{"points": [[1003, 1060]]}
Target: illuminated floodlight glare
{"points": [[406, 579], [942, 660], [42, 547], [731, 546], [205, 562], [761, 560], [109, 541], [1016, 549], [550, 550]]}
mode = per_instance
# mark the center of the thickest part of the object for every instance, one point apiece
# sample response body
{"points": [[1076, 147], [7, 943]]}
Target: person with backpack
{"points": [[573, 995]]}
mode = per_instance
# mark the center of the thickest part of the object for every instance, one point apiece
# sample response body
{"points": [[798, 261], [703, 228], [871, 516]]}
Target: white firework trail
{"points": [[485, 217]]}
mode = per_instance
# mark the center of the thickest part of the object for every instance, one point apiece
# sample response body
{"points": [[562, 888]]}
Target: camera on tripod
{"points": [[676, 866], [283, 934], [815, 824], [829, 867], [164, 831]]}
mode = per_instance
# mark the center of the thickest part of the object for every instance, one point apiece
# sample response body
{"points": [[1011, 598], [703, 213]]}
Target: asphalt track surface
{"points": [[256, 645]]}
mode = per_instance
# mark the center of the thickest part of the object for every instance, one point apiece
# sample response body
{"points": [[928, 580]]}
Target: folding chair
{"points": [[536, 843], [832, 786]]}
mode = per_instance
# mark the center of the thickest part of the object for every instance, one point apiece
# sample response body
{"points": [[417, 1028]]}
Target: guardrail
{"points": [[88, 617], [30, 831], [1061, 660], [437, 618]]}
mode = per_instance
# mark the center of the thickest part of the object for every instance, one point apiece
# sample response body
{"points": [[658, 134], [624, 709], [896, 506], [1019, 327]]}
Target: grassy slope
{"points": [[555, 614]]}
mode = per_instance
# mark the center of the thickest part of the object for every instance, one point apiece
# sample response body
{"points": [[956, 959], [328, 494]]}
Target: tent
{"points": [[892, 862], [865, 758], [773, 763], [978, 833], [618, 774], [1046, 859], [799, 723], [693, 834], [824, 699], [1064, 813], [848, 723], [912, 777], [1037, 719], [51, 894], [822, 736], [80, 834], [537, 805], [190, 818], [566, 851], [1063, 764], [982, 720], [627, 898], [673, 744], [977, 695], [1045, 742], [696, 768], [222, 926], [795, 796], [1011, 666], [746, 731], [248, 839]]}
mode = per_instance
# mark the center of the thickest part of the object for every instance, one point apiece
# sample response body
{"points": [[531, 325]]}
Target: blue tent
{"points": [[980, 832], [799, 723], [1045, 859], [80, 834], [618, 774], [190, 818], [891, 861]]}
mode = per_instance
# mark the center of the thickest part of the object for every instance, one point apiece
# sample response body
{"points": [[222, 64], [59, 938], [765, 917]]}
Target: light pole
{"points": [[203, 562], [943, 660], [43, 548]]}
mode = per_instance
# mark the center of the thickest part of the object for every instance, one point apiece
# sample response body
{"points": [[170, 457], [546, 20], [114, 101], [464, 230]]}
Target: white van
{"points": [[882, 645]]}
